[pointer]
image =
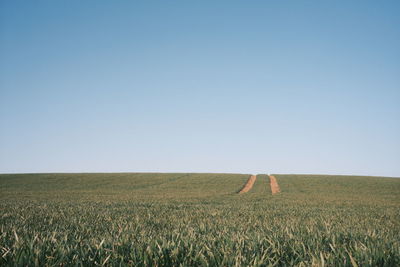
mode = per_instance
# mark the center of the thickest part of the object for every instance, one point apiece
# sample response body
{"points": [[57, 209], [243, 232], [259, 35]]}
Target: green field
{"points": [[198, 220]]}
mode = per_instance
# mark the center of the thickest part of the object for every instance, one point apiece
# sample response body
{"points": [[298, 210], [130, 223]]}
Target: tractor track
{"points": [[249, 184], [274, 185]]}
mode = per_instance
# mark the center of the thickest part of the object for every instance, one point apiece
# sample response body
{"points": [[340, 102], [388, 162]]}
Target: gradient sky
{"points": [[200, 86]]}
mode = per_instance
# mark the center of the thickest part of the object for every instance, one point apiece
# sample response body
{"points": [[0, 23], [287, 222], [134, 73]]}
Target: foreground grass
{"points": [[197, 219]]}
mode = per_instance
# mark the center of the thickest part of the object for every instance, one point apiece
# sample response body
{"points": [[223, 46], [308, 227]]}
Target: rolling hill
{"points": [[194, 219]]}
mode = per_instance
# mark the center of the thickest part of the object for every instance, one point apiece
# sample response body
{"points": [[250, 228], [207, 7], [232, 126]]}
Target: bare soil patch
{"points": [[249, 184], [274, 185]]}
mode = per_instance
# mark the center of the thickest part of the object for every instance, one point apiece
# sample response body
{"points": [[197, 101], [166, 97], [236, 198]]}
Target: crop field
{"points": [[182, 219]]}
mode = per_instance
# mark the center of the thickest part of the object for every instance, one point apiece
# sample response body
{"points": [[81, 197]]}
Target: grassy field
{"points": [[198, 220]]}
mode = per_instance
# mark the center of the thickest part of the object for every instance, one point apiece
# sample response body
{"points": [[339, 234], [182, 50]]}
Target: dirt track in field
{"points": [[274, 185], [249, 184]]}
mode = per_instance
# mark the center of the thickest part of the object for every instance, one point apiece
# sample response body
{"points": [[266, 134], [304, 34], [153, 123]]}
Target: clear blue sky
{"points": [[200, 86]]}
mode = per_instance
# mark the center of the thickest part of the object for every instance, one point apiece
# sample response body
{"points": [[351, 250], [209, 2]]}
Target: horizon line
{"points": [[181, 172]]}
